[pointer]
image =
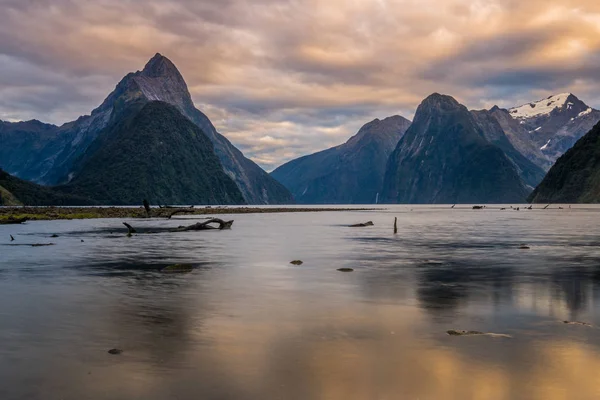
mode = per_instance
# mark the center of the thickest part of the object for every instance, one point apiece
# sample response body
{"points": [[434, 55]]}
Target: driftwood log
{"points": [[180, 211], [203, 226], [365, 224], [147, 207], [130, 229], [211, 224]]}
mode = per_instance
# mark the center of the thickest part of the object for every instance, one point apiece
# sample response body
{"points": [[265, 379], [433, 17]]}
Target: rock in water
{"points": [[115, 351], [177, 269], [297, 262], [369, 223], [453, 332], [578, 323], [345, 269]]}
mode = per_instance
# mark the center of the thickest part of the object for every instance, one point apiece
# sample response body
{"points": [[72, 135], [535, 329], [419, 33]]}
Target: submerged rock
{"points": [[475, 333], [177, 269], [368, 223], [345, 269], [297, 262], [578, 323]]}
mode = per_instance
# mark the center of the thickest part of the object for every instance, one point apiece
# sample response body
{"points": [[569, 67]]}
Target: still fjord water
{"points": [[246, 324]]}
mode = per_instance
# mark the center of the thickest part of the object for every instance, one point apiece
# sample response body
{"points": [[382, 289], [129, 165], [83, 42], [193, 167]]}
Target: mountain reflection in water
{"points": [[245, 324]]}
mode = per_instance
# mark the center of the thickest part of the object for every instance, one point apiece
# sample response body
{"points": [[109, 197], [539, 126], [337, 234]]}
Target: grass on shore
{"points": [[62, 213]]}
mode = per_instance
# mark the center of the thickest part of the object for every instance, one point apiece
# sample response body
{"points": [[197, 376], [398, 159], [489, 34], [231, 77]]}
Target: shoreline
{"points": [[51, 213]]}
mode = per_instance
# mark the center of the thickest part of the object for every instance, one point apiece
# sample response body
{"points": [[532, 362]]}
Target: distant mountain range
{"points": [[445, 158], [148, 140], [351, 173], [54, 155], [552, 125], [448, 155]]}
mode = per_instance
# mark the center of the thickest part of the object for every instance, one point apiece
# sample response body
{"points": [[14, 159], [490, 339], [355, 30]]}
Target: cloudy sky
{"points": [[286, 78]]}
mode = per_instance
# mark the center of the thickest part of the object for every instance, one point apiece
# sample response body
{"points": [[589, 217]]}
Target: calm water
{"points": [[245, 324]]}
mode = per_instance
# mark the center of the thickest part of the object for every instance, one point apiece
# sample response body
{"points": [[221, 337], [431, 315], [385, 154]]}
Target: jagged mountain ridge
{"points": [[351, 173], [444, 157], [553, 124], [160, 80]]}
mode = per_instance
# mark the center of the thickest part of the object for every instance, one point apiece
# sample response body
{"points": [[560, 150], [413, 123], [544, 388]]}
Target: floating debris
{"points": [[578, 323], [476, 333], [54, 236], [478, 207], [297, 262], [368, 223], [177, 269], [115, 351], [345, 269], [524, 247], [12, 239], [42, 244]]}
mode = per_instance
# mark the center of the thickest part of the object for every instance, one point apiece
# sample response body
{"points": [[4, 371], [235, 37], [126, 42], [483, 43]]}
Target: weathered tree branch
{"points": [[202, 226]]}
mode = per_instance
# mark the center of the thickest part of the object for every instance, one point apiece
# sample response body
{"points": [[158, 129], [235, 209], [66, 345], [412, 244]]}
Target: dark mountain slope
{"points": [[575, 178], [24, 147], [15, 191], [444, 157], [153, 153], [351, 173], [529, 172]]}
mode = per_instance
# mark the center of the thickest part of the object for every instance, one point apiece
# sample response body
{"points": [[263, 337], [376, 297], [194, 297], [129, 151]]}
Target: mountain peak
{"points": [[158, 66], [545, 106], [437, 100]]}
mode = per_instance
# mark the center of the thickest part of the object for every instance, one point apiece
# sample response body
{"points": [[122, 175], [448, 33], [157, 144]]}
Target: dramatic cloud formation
{"points": [[283, 78]]}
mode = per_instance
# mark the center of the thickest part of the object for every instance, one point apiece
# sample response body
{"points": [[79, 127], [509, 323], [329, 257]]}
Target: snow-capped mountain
{"points": [[555, 123]]}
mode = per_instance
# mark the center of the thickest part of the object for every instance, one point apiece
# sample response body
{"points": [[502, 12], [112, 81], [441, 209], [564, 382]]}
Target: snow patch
{"points": [[541, 107], [544, 147], [584, 113]]}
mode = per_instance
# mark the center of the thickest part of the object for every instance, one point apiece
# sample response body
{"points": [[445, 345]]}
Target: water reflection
{"points": [[245, 324]]}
